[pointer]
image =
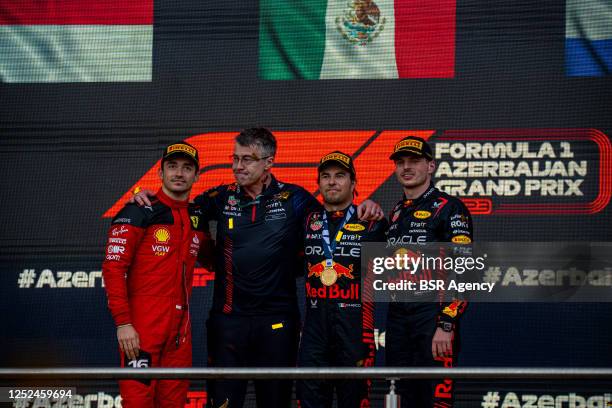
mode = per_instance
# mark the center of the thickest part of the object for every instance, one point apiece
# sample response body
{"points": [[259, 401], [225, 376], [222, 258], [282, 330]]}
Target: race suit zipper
{"points": [[186, 302], [183, 284]]}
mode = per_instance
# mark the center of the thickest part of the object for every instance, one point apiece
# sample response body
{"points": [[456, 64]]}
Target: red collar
{"points": [[170, 202]]}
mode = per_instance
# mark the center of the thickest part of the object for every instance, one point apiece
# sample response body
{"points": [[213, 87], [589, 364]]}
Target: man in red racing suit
{"points": [[148, 268]]}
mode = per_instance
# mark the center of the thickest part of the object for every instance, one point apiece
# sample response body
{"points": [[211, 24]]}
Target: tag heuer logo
{"points": [[316, 225]]}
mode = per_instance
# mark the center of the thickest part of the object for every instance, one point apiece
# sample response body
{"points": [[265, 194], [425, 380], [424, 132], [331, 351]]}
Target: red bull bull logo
{"points": [[340, 270], [454, 308], [329, 275]]}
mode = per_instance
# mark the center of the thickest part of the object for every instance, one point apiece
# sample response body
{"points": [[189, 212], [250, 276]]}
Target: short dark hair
{"points": [[259, 137]]}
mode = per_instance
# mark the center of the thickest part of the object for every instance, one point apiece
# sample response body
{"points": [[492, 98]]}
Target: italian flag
{"points": [[361, 39], [76, 40]]}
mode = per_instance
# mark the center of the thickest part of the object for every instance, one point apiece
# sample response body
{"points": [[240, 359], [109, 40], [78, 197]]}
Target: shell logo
{"points": [[354, 227], [162, 235], [461, 239], [422, 214]]}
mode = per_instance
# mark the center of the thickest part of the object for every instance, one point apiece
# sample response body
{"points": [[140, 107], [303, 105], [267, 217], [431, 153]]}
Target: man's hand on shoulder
{"points": [[141, 198], [370, 211]]}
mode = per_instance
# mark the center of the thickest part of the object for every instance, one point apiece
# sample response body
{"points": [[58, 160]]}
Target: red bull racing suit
{"points": [[338, 328], [148, 268], [254, 321], [432, 217]]}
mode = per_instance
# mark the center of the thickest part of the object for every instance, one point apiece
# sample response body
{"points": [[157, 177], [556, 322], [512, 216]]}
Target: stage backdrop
{"points": [[514, 96]]}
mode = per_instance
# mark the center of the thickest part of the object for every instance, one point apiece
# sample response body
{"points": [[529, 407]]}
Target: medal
{"points": [[329, 276]]}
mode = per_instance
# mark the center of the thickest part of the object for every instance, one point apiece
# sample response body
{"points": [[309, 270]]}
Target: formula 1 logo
{"points": [[526, 171], [516, 171]]}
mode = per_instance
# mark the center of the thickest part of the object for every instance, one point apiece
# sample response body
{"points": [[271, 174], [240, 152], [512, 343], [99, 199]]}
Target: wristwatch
{"points": [[446, 326]]}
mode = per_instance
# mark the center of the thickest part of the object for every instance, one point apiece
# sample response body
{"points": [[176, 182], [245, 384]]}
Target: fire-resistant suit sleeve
{"points": [[459, 231], [124, 237]]}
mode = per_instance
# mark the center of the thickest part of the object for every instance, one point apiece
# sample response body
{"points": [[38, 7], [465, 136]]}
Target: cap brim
{"points": [[400, 153], [183, 154]]}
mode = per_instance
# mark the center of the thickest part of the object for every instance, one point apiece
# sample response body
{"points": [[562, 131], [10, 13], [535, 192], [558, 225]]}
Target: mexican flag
{"points": [[76, 40], [356, 39]]}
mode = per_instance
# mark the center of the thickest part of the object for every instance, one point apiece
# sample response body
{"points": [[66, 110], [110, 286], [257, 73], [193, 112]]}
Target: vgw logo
{"points": [[518, 171]]}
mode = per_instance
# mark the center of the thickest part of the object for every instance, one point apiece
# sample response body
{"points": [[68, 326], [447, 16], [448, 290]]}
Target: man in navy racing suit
{"points": [[424, 333], [339, 327]]}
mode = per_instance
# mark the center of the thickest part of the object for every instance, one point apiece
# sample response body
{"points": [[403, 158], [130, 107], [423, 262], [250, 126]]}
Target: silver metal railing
{"points": [[553, 373], [392, 400]]}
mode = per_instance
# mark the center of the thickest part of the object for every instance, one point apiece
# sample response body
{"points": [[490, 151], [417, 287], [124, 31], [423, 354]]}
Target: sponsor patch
{"points": [[422, 214], [395, 216], [115, 249], [354, 227], [337, 156], [316, 225], [284, 195], [333, 292], [195, 220], [451, 310], [182, 148], [119, 231], [160, 250], [162, 235], [461, 239], [411, 143]]}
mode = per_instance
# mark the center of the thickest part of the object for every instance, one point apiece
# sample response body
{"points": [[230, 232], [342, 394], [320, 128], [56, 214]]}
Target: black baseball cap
{"points": [[337, 157], [182, 149], [412, 145]]}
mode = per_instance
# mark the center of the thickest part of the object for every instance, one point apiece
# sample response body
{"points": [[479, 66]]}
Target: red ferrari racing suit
{"points": [[148, 269]]}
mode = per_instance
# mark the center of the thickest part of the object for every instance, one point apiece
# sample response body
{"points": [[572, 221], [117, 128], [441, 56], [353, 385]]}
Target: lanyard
{"points": [[330, 247]]}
